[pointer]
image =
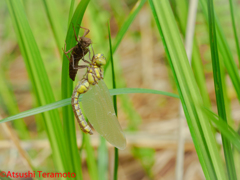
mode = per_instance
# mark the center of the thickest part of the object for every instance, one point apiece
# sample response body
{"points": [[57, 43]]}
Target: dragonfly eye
{"points": [[100, 60]]}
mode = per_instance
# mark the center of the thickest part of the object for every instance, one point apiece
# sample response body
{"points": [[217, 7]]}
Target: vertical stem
{"points": [[188, 46], [115, 163], [114, 102], [71, 11], [234, 29], [219, 91]]}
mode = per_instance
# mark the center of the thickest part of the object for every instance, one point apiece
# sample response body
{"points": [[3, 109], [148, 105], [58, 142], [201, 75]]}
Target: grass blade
{"points": [[40, 82], [219, 90], [224, 49], [53, 14], [181, 10], [234, 29], [224, 128], [71, 11], [67, 89], [115, 173], [200, 129], [66, 102]]}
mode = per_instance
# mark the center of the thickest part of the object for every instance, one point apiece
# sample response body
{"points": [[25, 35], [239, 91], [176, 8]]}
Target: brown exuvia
{"points": [[78, 53]]}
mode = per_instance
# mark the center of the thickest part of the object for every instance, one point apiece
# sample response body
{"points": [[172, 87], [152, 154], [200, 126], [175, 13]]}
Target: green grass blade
{"points": [[115, 172], [67, 89], [125, 26], [53, 17], [181, 10], [224, 49], [224, 128], [199, 74], [234, 29], [40, 82], [71, 11], [219, 90], [227, 102], [66, 102], [200, 129]]}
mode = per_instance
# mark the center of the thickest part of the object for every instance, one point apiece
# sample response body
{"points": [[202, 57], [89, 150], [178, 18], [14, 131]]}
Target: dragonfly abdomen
{"points": [[81, 88]]}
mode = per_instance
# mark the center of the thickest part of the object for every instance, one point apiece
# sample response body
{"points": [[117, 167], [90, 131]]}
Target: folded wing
{"points": [[98, 107]]}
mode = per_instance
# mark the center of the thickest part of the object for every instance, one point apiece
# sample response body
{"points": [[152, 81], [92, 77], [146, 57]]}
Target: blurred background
{"points": [[150, 122]]}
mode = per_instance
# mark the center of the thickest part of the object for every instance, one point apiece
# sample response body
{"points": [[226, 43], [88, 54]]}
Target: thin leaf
{"points": [[71, 11], [66, 102], [224, 128], [67, 89], [40, 82], [181, 10], [200, 129], [224, 49], [115, 172], [53, 17], [219, 90], [234, 29]]}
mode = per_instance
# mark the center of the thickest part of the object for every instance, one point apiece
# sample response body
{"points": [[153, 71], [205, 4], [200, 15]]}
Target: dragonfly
{"points": [[77, 52], [97, 104]]}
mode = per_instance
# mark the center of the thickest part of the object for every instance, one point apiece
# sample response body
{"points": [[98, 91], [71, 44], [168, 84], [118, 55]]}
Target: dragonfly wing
{"points": [[98, 107]]}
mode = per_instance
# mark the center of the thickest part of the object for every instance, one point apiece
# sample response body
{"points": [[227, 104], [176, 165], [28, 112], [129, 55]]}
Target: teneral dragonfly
{"points": [[97, 104]]}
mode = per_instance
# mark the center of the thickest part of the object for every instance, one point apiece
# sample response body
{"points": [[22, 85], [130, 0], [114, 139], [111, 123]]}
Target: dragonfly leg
{"points": [[92, 50], [89, 54], [66, 52], [93, 57], [86, 61], [74, 32], [81, 88], [86, 31]]}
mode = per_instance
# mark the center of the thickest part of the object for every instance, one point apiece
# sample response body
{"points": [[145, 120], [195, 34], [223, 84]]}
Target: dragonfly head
{"points": [[99, 59]]}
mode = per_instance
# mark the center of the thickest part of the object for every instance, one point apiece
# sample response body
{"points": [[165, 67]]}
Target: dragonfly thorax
{"points": [[95, 70], [94, 74], [99, 60]]}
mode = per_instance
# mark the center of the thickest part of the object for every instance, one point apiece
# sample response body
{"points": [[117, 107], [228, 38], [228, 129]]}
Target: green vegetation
{"points": [[42, 28]]}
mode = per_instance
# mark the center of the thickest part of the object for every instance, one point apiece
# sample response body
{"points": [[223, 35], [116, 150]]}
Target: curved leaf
{"points": [[67, 101]]}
